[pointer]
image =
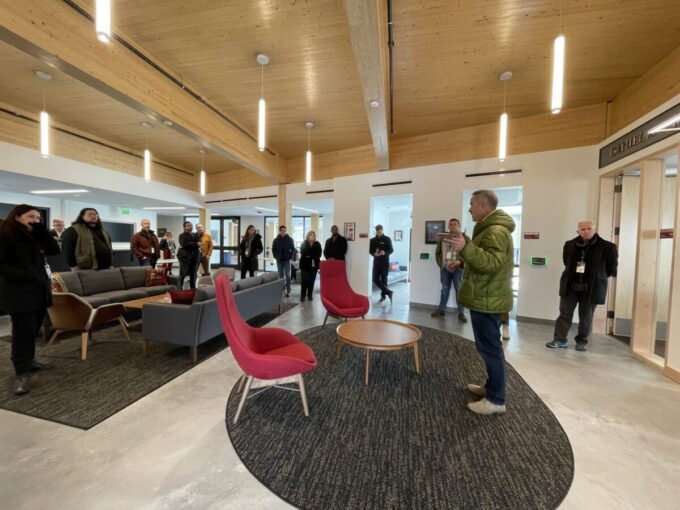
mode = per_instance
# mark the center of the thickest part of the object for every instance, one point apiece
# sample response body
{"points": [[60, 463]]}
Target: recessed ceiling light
{"points": [[374, 104], [146, 125], [309, 125], [164, 208], [43, 75], [268, 210], [51, 191], [167, 123], [201, 151]]}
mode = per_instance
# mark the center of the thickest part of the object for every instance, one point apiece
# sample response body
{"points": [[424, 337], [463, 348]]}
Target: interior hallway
{"points": [[171, 449]]}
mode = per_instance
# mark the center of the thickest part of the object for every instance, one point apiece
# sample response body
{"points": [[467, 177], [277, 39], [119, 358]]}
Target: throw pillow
{"points": [[394, 266], [182, 297], [156, 277], [58, 284]]}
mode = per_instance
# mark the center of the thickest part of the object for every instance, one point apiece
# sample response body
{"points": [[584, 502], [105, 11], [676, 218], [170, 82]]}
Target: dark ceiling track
{"points": [[382, 185], [92, 140], [500, 172], [390, 46], [158, 68], [319, 191]]}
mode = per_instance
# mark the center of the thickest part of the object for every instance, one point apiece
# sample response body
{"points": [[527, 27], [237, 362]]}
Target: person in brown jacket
{"points": [[145, 246], [206, 245]]}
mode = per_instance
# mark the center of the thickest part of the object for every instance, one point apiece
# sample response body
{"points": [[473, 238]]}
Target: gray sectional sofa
{"points": [[111, 285], [193, 324]]}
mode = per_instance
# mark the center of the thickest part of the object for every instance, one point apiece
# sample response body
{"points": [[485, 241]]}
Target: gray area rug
{"points": [[406, 441], [115, 375]]}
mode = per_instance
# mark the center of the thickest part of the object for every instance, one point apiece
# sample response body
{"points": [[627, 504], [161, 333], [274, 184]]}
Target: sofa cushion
{"points": [[156, 276], [270, 276], [119, 296], [234, 286], [204, 293], [133, 276], [249, 283], [182, 297], [98, 281], [72, 282], [96, 301], [156, 290]]}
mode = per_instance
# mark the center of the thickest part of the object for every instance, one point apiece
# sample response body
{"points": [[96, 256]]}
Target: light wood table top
{"points": [[379, 335], [137, 304]]}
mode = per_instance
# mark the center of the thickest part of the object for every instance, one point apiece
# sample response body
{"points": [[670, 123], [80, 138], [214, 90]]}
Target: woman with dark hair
{"points": [[310, 258], [249, 249], [25, 283], [86, 244]]}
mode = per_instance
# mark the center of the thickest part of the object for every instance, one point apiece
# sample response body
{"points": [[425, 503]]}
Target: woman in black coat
{"points": [[310, 257], [250, 247], [25, 285]]}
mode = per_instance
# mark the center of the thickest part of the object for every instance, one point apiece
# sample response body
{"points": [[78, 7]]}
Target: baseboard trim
{"points": [[426, 306], [534, 320]]}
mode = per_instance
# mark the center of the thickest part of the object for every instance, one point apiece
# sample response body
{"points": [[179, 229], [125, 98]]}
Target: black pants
{"points": [[380, 278], [308, 277], [247, 267], [585, 316], [25, 327], [187, 269]]}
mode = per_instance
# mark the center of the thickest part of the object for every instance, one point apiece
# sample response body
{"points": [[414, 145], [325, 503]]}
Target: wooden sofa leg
{"points": [[146, 348], [85, 336], [193, 354]]}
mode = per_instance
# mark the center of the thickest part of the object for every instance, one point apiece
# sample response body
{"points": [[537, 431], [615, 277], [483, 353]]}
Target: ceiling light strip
{"points": [[558, 74], [103, 20], [44, 134]]}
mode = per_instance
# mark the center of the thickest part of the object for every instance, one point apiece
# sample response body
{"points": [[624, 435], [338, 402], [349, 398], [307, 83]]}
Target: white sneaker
{"points": [[485, 407], [476, 389]]}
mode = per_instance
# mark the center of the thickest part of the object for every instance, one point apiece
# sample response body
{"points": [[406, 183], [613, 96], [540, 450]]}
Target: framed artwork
{"points": [[160, 232], [432, 228], [349, 231], [398, 235]]}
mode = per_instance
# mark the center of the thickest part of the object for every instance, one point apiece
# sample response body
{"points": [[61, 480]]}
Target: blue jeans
{"points": [[145, 262], [284, 269], [446, 278], [486, 328]]}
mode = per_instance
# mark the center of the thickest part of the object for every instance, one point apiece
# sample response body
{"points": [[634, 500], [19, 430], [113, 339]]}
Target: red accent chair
{"points": [[337, 296], [267, 356]]}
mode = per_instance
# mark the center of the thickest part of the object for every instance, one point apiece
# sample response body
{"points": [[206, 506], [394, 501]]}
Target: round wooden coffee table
{"points": [[379, 335]]}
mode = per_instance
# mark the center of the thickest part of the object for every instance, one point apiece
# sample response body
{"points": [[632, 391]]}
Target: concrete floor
{"points": [[171, 449]]}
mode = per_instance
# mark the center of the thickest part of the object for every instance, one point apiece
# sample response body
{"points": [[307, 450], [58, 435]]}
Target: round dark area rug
{"points": [[405, 440]]}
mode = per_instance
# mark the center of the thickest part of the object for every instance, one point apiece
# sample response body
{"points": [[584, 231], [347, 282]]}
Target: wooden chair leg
{"points": [[324, 320], [85, 336], [303, 394], [53, 338], [249, 383], [146, 348], [123, 326]]}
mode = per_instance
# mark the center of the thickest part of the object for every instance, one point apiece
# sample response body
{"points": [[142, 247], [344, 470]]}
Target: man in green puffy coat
{"points": [[487, 292]]}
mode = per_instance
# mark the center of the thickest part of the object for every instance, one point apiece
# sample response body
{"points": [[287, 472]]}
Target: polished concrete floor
{"points": [[171, 449]]}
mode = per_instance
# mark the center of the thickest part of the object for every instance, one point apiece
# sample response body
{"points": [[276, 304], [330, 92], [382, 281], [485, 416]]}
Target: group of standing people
{"points": [[195, 250]]}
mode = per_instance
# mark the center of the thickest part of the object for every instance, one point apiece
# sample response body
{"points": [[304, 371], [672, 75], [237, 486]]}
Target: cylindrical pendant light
{"points": [[503, 133], [202, 181], [103, 20], [308, 157], [147, 165], [558, 74], [44, 134], [263, 60]]}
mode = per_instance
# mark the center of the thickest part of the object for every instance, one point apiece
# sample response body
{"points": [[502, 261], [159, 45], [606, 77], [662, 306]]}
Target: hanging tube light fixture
{"points": [[103, 20], [44, 134], [263, 60], [147, 165], [308, 157], [202, 181], [558, 75], [503, 134]]}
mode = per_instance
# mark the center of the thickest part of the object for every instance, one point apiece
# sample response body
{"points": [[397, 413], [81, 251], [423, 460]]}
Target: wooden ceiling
{"points": [[449, 55], [447, 59]]}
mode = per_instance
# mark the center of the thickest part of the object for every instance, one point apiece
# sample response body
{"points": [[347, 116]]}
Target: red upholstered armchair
{"points": [[336, 294], [267, 356]]}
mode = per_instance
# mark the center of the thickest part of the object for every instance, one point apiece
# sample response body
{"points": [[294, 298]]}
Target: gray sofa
{"points": [[111, 285], [193, 324]]}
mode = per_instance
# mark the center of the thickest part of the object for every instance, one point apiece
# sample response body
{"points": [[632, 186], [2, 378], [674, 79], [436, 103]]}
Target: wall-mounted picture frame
{"points": [[398, 235], [432, 229], [350, 227]]}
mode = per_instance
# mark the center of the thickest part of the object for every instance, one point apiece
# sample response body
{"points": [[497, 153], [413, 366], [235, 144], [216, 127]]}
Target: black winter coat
{"points": [[310, 255], [335, 249], [602, 260], [283, 248], [256, 248], [189, 251], [24, 284], [382, 243]]}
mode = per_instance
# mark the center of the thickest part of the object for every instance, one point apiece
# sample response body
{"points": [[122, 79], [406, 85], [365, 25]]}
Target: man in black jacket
{"points": [[86, 244], [589, 261], [380, 248], [336, 246], [188, 255], [283, 249]]}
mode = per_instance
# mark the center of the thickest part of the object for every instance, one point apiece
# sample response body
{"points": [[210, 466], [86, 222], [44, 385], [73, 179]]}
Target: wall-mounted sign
{"points": [[125, 211], [637, 139], [363, 235], [666, 233], [532, 235], [424, 256], [538, 261]]}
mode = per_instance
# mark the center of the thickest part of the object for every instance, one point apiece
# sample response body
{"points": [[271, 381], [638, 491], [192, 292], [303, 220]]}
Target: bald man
{"points": [[144, 244], [589, 261]]}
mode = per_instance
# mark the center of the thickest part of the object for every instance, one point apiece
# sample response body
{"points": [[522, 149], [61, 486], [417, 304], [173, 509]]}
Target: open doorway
{"points": [[395, 214], [510, 200]]}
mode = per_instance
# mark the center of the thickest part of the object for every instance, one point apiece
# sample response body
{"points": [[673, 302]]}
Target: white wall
{"points": [[53, 204], [171, 223]]}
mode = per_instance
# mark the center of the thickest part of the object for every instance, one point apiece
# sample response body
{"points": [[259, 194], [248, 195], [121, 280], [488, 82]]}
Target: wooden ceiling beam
{"points": [[367, 25], [62, 37]]}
